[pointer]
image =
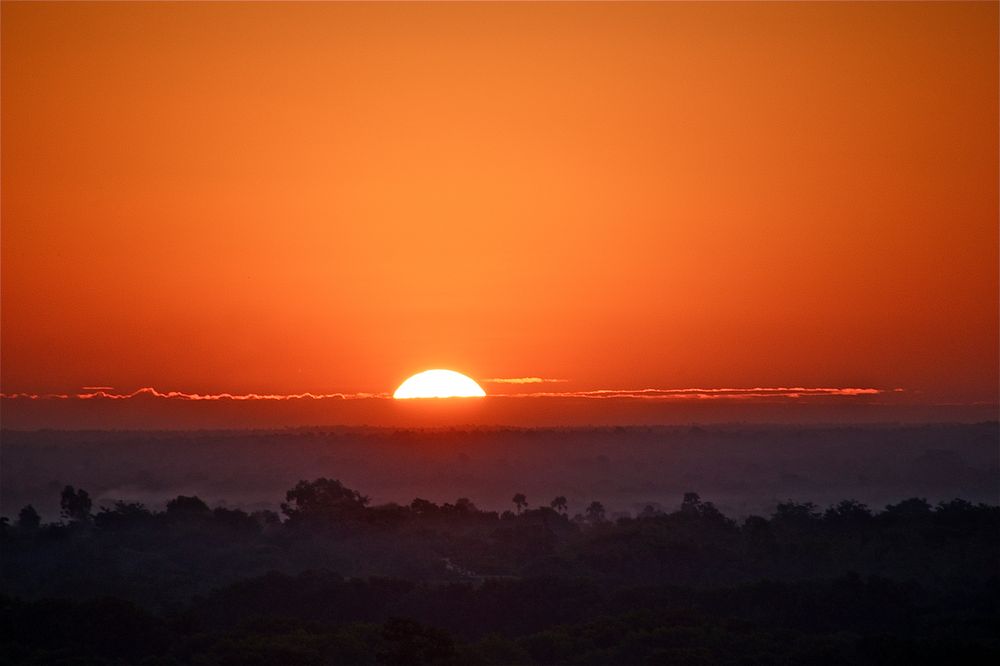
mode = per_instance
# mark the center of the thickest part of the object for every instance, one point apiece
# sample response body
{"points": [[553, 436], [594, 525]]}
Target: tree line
{"points": [[332, 578]]}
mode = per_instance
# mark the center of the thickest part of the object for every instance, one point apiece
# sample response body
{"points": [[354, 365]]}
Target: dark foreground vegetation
{"points": [[334, 580]]}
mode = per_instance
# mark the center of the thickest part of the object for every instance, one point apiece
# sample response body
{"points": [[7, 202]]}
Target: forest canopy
{"points": [[333, 578]]}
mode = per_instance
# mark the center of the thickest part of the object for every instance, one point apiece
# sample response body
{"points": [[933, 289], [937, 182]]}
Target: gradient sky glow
{"points": [[285, 198]]}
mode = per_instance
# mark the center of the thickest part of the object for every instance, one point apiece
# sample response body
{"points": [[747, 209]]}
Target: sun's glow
{"points": [[439, 384]]}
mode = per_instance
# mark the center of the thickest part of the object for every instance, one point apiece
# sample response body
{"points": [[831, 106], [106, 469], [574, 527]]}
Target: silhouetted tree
{"points": [[76, 504], [28, 519], [465, 505], [123, 516], [595, 512], [559, 504], [915, 507], [266, 518], [962, 514], [520, 501], [794, 514], [423, 507], [234, 519], [691, 503], [649, 511], [848, 512], [187, 507], [322, 499], [757, 532]]}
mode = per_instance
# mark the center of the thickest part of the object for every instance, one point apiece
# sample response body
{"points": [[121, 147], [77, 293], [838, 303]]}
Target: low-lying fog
{"points": [[743, 470]]}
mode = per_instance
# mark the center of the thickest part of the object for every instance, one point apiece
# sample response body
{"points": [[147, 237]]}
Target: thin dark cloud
{"points": [[707, 393], [523, 380], [797, 392], [182, 395]]}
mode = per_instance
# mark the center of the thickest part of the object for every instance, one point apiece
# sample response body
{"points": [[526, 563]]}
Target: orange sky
{"points": [[278, 198]]}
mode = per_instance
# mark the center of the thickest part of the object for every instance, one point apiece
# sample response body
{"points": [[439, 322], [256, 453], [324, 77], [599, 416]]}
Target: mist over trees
{"points": [[698, 545], [336, 578], [745, 470]]}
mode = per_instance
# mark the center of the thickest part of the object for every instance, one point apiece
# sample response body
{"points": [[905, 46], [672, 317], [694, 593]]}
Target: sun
{"points": [[439, 384]]}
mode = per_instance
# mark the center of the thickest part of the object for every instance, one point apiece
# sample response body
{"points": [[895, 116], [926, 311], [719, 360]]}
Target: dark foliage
{"points": [[76, 504], [448, 583], [28, 519]]}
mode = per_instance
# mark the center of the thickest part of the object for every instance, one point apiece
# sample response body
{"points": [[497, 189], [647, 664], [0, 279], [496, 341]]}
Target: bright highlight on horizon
{"points": [[439, 384]]}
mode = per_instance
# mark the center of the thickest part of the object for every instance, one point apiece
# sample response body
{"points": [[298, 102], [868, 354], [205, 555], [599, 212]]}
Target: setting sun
{"points": [[728, 269], [439, 384]]}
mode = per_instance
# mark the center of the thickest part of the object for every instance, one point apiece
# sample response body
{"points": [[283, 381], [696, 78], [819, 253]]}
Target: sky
{"points": [[280, 198]]}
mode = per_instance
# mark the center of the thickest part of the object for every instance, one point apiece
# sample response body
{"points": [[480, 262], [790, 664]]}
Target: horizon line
{"points": [[693, 393]]}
